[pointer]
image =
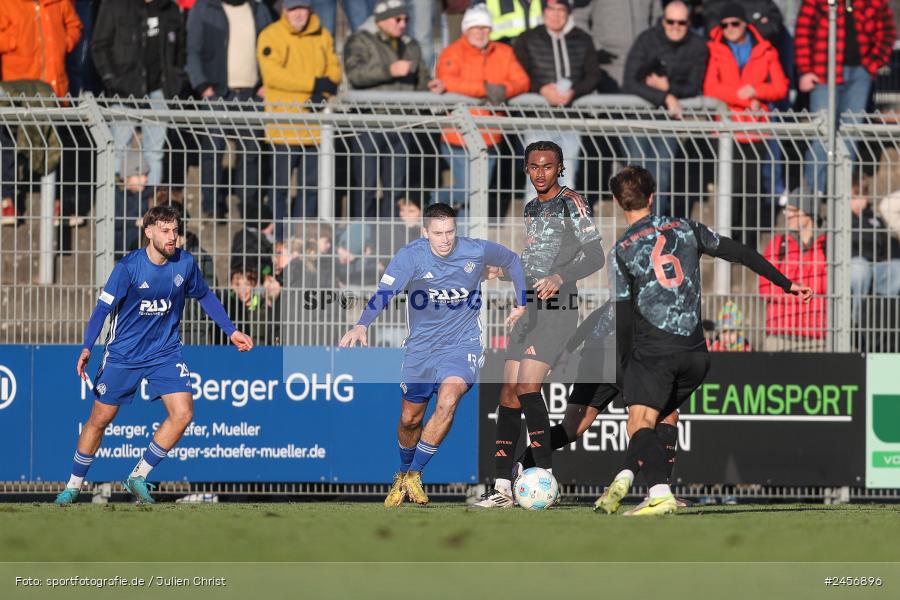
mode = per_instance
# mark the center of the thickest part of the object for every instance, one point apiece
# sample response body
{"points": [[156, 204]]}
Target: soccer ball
{"points": [[536, 489]]}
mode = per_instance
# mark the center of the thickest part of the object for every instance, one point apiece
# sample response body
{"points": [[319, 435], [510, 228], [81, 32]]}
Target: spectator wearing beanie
{"points": [[475, 66]]}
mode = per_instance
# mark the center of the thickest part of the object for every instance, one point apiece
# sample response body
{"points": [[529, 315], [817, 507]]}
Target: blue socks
{"points": [[406, 457], [81, 463], [423, 454]]}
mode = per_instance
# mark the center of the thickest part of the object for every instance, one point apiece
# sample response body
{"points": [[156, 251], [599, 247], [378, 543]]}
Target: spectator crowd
{"points": [[759, 57]]}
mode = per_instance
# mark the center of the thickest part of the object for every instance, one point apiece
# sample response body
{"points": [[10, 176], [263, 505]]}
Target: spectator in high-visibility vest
{"points": [[512, 18]]}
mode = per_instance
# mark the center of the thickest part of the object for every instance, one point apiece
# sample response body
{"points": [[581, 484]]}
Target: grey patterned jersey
{"points": [[555, 231], [657, 268]]}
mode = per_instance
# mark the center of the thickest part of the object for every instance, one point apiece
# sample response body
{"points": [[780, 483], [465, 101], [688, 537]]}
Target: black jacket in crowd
{"points": [[117, 46], [534, 50], [684, 63], [872, 239]]}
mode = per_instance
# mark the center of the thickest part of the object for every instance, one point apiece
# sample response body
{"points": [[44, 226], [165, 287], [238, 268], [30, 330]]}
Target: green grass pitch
{"points": [[361, 550], [444, 532]]}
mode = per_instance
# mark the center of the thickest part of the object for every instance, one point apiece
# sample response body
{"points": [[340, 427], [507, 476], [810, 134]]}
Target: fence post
{"points": [[326, 170], [479, 178], [831, 124], [723, 204], [105, 189], [838, 250], [45, 236]]}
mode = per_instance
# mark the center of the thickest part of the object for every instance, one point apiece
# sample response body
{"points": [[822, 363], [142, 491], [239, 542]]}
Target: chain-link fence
{"points": [[329, 193]]}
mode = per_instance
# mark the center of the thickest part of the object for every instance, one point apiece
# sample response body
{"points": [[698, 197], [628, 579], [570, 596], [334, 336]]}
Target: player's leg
{"points": [[537, 419], [667, 430], [88, 442], [409, 430], [580, 414], [509, 427], [649, 386], [180, 408], [451, 390]]}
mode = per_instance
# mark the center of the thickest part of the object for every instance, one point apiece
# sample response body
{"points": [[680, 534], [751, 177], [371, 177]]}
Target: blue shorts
{"points": [[116, 384], [423, 371]]}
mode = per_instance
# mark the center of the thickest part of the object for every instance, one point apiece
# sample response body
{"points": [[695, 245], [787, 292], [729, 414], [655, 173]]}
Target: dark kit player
{"points": [[562, 245], [597, 385], [656, 284]]}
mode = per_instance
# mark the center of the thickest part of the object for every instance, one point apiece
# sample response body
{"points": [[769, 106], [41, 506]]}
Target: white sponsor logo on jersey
{"points": [[428, 275], [155, 307], [107, 297], [451, 295], [387, 279], [144, 286]]}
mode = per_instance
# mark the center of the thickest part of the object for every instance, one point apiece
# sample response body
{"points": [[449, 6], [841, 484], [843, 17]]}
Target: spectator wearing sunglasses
{"points": [[666, 64], [744, 72]]}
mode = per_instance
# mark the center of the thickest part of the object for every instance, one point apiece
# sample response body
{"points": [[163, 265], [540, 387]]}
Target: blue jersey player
{"points": [[144, 298], [442, 275]]}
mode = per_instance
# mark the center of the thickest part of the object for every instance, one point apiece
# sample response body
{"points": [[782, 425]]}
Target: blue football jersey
{"points": [[443, 293], [146, 302]]}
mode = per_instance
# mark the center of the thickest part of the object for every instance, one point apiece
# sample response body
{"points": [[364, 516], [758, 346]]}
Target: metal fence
{"points": [[323, 198]]}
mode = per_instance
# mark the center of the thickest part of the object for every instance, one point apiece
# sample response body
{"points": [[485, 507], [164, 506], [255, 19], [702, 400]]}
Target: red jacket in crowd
{"points": [[35, 38], [786, 314], [464, 69], [874, 30], [763, 71]]}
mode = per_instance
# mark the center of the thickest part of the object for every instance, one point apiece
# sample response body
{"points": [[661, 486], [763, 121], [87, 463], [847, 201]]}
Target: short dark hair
{"points": [[438, 210], [632, 187], [543, 146], [163, 213]]}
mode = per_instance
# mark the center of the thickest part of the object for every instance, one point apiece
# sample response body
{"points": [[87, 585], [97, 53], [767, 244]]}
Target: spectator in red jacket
{"points": [[475, 66], [792, 325], [865, 38], [745, 73]]}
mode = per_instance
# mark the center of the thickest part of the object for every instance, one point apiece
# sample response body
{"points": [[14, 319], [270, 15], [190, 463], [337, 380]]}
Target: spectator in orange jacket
{"points": [[745, 73], [475, 66], [800, 254], [35, 36]]}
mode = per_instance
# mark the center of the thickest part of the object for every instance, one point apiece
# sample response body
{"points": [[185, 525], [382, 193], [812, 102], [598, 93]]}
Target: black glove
{"points": [[605, 57], [496, 92], [324, 86]]}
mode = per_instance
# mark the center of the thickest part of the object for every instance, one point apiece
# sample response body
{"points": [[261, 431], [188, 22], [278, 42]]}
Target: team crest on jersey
{"points": [[179, 280], [101, 389], [155, 307], [470, 266]]}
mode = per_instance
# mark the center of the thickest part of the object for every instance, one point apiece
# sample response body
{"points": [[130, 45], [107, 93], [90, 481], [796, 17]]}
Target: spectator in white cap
{"points": [[475, 66]]}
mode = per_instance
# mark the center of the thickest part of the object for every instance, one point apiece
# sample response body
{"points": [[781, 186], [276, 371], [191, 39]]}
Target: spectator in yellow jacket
{"points": [[298, 66]]}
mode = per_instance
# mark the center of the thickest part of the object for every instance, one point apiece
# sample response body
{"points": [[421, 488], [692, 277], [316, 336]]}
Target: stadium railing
{"points": [[60, 161]]}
